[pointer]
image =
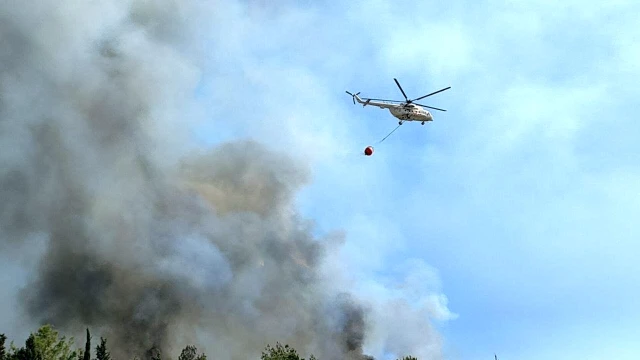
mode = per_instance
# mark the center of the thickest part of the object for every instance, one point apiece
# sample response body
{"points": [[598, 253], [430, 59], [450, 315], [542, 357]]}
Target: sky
{"points": [[508, 221], [515, 209]]}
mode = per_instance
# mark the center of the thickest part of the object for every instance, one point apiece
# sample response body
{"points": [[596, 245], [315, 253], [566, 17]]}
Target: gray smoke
{"points": [[147, 243]]}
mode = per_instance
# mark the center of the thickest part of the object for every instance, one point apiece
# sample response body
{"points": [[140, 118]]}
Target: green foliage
{"points": [[154, 353], [190, 352], [44, 345], [3, 350], [101, 350], [280, 352], [52, 348], [28, 352]]}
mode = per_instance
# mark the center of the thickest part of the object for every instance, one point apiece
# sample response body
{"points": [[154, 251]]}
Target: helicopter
{"points": [[403, 110]]}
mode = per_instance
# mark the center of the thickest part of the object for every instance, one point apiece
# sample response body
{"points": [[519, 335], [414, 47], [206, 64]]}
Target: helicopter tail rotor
{"points": [[353, 96]]}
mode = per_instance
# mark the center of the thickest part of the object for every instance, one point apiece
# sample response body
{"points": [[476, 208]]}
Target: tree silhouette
{"points": [[29, 351], [46, 345], [190, 352], [101, 350], [154, 353], [87, 347], [50, 347], [280, 352], [3, 350]]}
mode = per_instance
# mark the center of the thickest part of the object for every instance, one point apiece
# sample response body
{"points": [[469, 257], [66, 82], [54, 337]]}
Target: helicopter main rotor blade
{"points": [[431, 107], [400, 87], [389, 100], [433, 93]]}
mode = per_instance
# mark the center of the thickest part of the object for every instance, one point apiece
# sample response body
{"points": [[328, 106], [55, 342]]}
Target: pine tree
{"points": [[87, 347], [154, 353], [188, 353], [101, 350], [3, 351], [280, 352], [29, 351], [45, 345], [48, 346]]}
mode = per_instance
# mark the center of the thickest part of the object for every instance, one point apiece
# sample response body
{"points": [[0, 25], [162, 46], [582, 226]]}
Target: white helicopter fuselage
{"points": [[403, 112], [410, 112]]}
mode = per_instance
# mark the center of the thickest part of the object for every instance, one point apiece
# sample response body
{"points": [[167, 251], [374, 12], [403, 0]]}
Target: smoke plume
{"points": [[148, 242], [148, 247]]}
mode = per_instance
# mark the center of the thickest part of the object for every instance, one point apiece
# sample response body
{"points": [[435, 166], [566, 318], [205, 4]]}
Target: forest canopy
{"points": [[48, 344]]}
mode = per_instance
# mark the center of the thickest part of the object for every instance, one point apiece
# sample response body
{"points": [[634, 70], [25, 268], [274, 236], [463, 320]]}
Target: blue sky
{"points": [[512, 215]]}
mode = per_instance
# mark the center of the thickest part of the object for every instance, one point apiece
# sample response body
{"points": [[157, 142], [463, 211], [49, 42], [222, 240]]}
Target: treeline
{"points": [[46, 344]]}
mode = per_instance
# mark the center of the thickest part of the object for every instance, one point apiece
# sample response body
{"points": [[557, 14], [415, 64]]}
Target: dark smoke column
{"points": [[144, 242]]}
